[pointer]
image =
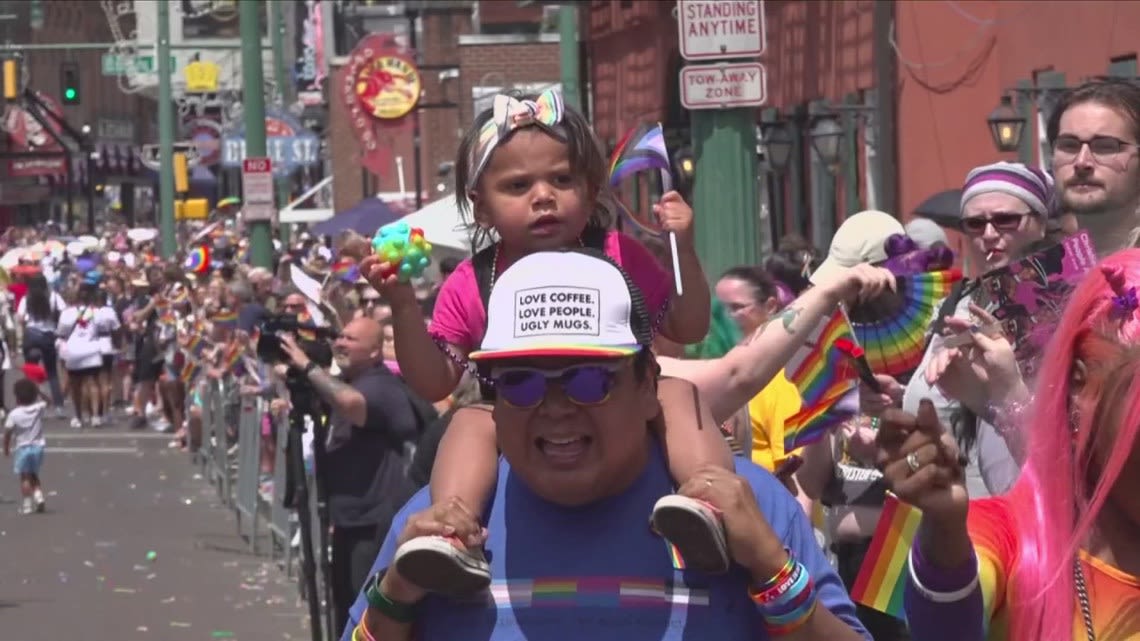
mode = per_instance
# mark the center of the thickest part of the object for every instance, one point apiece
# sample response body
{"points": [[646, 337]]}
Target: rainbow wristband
{"points": [[787, 600], [788, 628]]}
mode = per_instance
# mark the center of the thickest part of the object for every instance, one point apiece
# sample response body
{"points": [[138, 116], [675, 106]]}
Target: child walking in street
{"points": [[25, 426]]}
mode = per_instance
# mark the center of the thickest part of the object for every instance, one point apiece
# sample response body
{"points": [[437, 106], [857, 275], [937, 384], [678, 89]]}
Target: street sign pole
{"points": [[253, 110], [725, 190], [165, 133], [281, 77]]}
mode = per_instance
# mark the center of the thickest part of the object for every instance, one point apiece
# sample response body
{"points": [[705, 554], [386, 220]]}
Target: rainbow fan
{"points": [[892, 328], [198, 260]]}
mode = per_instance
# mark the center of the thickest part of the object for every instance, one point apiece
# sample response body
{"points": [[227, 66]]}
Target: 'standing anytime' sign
{"points": [[721, 29]]}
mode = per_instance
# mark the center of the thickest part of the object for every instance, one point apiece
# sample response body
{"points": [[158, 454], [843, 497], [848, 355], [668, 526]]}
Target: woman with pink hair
{"points": [[1056, 559]]}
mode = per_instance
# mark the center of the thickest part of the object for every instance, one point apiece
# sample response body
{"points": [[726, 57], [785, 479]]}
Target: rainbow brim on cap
{"points": [[556, 351]]}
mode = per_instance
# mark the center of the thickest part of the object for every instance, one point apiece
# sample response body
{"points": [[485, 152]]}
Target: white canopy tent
{"points": [[442, 224]]}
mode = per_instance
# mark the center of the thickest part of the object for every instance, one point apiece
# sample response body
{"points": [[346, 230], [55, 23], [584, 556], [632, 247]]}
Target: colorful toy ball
{"points": [[403, 249]]}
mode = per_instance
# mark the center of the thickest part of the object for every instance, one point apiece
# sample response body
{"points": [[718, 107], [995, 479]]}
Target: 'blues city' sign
{"points": [[289, 145]]}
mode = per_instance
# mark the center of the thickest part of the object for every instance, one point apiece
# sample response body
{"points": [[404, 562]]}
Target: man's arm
{"points": [[343, 398]]}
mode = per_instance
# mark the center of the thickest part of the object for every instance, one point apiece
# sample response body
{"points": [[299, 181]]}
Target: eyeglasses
{"points": [[525, 388], [1002, 221], [1104, 149]]}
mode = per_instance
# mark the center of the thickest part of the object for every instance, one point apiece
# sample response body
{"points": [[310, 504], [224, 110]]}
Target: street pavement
{"points": [[83, 569]]}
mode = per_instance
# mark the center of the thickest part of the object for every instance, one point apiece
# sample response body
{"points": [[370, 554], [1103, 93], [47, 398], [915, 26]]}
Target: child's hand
{"points": [[396, 293], [676, 216]]}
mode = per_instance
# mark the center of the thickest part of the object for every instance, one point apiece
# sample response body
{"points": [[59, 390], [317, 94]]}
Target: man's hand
{"points": [[449, 519], [751, 541], [296, 355]]}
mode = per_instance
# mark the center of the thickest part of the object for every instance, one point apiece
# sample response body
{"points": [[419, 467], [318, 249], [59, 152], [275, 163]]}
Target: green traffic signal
{"points": [[70, 93]]}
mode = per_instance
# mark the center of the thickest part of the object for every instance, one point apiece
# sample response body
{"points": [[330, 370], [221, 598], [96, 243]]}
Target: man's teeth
{"points": [[565, 440]]}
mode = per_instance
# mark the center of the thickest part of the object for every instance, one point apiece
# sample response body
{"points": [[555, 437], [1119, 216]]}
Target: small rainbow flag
{"points": [[820, 370], [226, 319], [305, 318], [198, 260], [812, 424], [641, 149], [346, 270], [232, 359], [190, 371], [883, 575]]}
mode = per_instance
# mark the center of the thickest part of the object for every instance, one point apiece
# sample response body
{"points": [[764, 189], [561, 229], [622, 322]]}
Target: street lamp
{"points": [[826, 135], [777, 144], [1006, 126]]}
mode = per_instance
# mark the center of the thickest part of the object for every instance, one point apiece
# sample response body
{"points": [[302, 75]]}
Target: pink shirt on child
{"points": [[459, 317]]}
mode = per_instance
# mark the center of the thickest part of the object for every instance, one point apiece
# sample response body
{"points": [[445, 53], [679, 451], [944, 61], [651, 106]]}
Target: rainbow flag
{"points": [[883, 575], [813, 423], [641, 149], [190, 371], [226, 319], [820, 370], [232, 360], [346, 270]]}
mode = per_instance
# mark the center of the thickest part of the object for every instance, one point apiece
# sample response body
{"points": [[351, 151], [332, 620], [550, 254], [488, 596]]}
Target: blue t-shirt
{"points": [[598, 572]]}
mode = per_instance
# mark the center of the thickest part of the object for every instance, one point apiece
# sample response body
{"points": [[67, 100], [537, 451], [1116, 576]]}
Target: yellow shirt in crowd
{"points": [[776, 403]]}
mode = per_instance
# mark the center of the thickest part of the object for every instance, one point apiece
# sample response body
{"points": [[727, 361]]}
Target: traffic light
{"points": [[69, 83], [11, 79]]}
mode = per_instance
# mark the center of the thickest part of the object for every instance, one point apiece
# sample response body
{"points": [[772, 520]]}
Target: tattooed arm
{"points": [[343, 398], [728, 383]]}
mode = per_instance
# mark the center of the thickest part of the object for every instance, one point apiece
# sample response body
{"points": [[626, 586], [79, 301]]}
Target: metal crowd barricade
{"points": [[282, 524], [246, 503]]}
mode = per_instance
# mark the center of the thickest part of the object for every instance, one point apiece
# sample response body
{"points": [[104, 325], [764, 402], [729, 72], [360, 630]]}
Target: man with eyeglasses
{"points": [[571, 553], [1094, 130]]}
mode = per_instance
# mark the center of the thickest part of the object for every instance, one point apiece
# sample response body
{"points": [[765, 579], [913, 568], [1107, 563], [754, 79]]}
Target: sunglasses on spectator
{"points": [[1001, 220], [585, 385]]}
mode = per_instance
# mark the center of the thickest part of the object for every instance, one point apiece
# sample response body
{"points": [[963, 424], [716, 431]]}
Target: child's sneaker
{"points": [[76, 423], [27, 507], [443, 565], [695, 528], [38, 497]]}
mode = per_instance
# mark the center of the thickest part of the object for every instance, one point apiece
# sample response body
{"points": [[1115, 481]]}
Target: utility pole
{"points": [[281, 78], [568, 55], [253, 111], [165, 133], [886, 83]]}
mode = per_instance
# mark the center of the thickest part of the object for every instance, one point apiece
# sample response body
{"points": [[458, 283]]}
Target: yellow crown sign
{"points": [[202, 77]]}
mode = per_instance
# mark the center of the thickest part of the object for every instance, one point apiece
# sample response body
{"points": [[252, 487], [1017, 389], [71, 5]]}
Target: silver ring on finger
{"points": [[912, 462]]}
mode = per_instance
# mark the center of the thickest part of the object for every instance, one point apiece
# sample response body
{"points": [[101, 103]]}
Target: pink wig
{"points": [[1062, 489]]}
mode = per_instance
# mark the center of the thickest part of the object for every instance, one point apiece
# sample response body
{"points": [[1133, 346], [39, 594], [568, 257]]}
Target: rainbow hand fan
{"points": [[643, 149], [892, 328]]}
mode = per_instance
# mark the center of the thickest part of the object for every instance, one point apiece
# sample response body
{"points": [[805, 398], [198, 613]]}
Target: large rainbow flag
{"points": [[883, 575], [827, 382]]}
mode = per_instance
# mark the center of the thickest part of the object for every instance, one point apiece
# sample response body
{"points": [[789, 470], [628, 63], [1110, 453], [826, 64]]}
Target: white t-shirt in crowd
{"points": [[27, 423], [42, 324], [80, 335], [106, 323]]}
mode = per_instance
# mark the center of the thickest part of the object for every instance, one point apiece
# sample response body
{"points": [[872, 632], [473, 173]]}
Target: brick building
{"points": [[467, 50], [949, 64], [118, 121]]}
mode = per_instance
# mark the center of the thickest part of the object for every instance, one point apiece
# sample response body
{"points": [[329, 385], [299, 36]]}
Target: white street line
{"points": [[77, 434], [92, 450]]}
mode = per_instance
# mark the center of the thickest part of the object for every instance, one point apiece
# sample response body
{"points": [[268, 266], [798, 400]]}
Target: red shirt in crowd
{"points": [[35, 373]]}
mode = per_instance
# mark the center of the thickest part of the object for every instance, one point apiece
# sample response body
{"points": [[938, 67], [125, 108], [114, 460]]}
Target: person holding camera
{"points": [[371, 420]]}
